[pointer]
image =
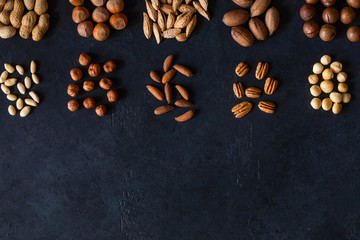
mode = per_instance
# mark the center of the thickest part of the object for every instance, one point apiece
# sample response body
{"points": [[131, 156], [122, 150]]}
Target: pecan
{"points": [[270, 86], [242, 109], [261, 70], [267, 107], [253, 92], [242, 69], [238, 90]]}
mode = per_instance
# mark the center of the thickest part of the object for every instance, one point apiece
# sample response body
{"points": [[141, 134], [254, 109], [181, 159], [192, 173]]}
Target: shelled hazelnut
{"points": [[94, 70], [76, 74], [101, 110], [88, 86], [89, 103], [73, 90], [73, 105], [84, 59]]}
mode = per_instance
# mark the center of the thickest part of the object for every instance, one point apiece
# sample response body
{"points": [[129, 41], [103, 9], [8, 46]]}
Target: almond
{"points": [[259, 7], [191, 26], [272, 20], [202, 11], [168, 76], [183, 70], [157, 34], [183, 20], [168, 92], [236, 17], [163, 109], [242, 36], [170, 21], [204, 4], [183, 103], [186, 116], [181, 37], [243, 3], [154, 76], [161, 21], [147, 26], [176, 4], [171, 33], [151, 11], [258, 28], [155, 92], [166, 8], [155, 4], [183, 92], [186, 8], [168, 62]]}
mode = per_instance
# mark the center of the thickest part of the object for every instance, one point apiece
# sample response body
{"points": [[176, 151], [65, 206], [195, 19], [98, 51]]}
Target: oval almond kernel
{"points": [[168, 62], [30, 102], [21, 88], [32, 67], [25, 111], [10, 82], [186, 116], [27, 82], [163, 109], [35, 78], [168, 76], [8, 67], [20, 69], [34, 96], [183, 92], [4, 76], [183, 70], [11, 97], [12, 110], [183, 103], [154, 76], [19, 104], [5, 89], [155, 92]]}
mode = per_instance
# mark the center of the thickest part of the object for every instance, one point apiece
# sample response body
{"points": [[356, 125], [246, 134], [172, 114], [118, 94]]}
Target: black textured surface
{"points": [[131, 175]]}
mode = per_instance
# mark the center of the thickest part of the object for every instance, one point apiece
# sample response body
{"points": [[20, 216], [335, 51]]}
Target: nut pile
{"points": [[258, 29], [94, 70], [13, 89], [34, 22], [330, 16], [270, 86], [172, 18], [325, 94], [105, 11], [168, 94]]}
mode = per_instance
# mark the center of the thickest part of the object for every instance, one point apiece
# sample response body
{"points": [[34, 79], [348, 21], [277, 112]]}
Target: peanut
{"points": [[5, 14], [41, 28], [41, 7], [7, 31], [27, 24], [17, 13], [29, 4]]}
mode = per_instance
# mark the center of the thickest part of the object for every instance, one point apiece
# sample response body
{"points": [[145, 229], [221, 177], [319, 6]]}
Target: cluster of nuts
{"points": [[270, 86], [328, 71], [258, 29], [330, 16], [35, 22], [164, 21], [94, 70], [100, 15], [169, 73], [10, 84]]}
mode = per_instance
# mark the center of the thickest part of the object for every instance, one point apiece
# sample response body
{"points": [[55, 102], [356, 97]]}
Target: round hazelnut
{"points": [[311, 29], [76, 2], [328, 3], [88, 86], [73, 90], [330, 15], [98, 3], [100, 14], [312, 1], [106, 83], [112, 96], [76, 74], [347, 15], [316, 103], [101, 32], [353, 33], [118, 21], [84, 59], [94, 70], [79, 14], [85, 29], [343, 87], [73, 105], [353, 3], [109, 66], [327, 32], [115, 6], [89, 103], [307, 12], [101, 110]]}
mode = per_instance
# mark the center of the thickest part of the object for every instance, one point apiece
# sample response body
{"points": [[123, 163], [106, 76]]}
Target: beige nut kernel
{"points": [[5, 89], [315, 90], [346, 97], [11, 97], [327, 86], [27, 82], [336, 108], [326, 104], [10, 82], [318, 68], [336, 97], [328, 74], [313, 79], [4, 76], [8, 67], [20, 69], [21, 88], [336, 67], [25, 111], [30, 102], [34, 96], [341, 77], [32, 67], [316, 103], [35, 78], [343, 87], [325, 60], [12, 110], [19, 104]]}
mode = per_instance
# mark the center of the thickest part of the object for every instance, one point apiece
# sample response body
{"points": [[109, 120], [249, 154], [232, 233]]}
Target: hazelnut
{"points": [[311, 29], [98, 3], [94, 70], [336, 67], [100, 14], [101, 32], [109, 66], [73, 90], [76, 74], [85, 29], [316, 103], [326, 104], [88, 86], [307, 12], [73, 105], [118, 21], [76, 2], [346, 97], [327, 86], [330, 15], [115, 6], [353, 3], [327, 32], [79, 14], [105, 83], [343, 87], [112, 96], [100, 110], [347, 15], [84, 59], [89, 103], [353, 33], [328, 3], [312, 1]]}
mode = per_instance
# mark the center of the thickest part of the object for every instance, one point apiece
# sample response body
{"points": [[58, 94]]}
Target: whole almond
{"points": [[147, 25], [161, 20], [168, 76], [157, 34], [243, 3], [183, 70], [202, 11], [155, 92], [154, 76], [204, 4], [171, 33], [186, 8], [168, 92], [258, 28], [191, 26], [168, 62], [163, 109], [272, 20], [259, 7], [155, 4], [167, 8], [176, 4], [170, 21], [183, 20], [183, 103], [186, 116], [34, 96], [242, 36], [183, 92], [236, 17], [181, 37], [151, 11]]}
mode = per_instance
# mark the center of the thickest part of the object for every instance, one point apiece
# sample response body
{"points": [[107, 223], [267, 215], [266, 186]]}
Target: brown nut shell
{"points": [[236, 17], [242, 36], [85, 29], [327, 32], [311, 28], [258, 28]]}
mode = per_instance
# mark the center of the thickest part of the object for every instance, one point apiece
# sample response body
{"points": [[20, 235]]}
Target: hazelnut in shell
{"points": [[112, 96], [115, 6], [311, 28], [88, 86], [98, 3], [353, 33], [84, 59], [85, 29], [100, 14], [106, 83], [330, 15], [327, 32], [94, 70], [76, 2], [101, 32], [307, 12], [73, 105], [347, 15], [79, 14], [89, 103], [118, 21], [101, 110], [76, 74], [109, 66], [73, 90]]}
